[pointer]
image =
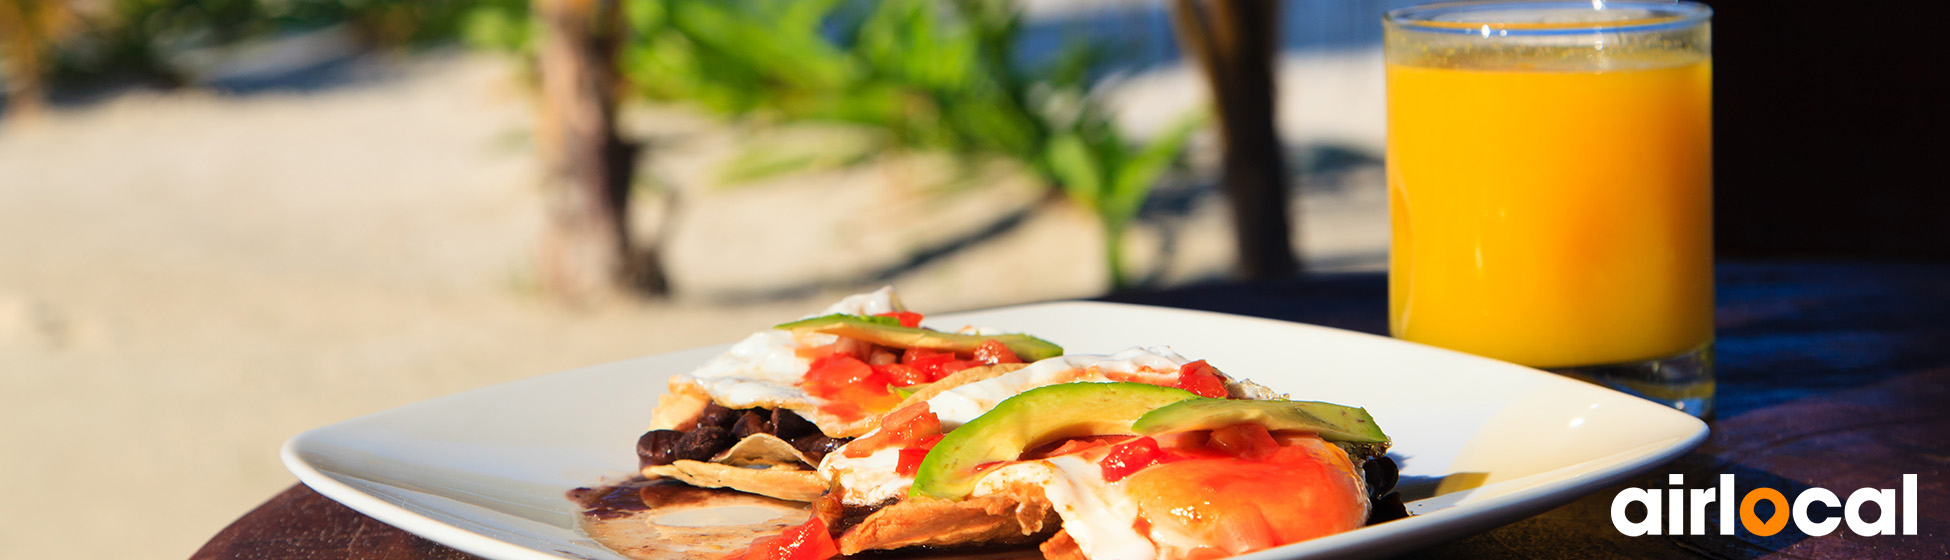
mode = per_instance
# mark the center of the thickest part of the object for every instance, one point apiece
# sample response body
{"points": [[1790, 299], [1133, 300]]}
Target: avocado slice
{"points": [[1332, 421], [1033, 418], [888, 332]]}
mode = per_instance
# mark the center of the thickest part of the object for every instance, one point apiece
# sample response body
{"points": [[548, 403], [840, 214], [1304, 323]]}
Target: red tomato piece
{"points": [[993, 352], [903, 375], [911, 457], [809, 541], [910, 462], [906, 427], [836, 370], [851, 387], [940, 365], [1199, 377], [1132, 456], [908, 319], [912, 355]]}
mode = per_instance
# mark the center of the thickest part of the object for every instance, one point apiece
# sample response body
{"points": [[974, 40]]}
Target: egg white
{"points": [[765, 369]]}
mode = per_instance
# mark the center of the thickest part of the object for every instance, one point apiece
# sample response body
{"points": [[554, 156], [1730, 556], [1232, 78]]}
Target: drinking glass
{"points": [[1550, 176]]}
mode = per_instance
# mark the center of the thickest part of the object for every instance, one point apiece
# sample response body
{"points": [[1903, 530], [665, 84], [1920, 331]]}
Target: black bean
{"points": [[719, 416], [1382, 474], [816, 446], [702, 443], [789, 425], [655, 447], [752, 422], [1389, 507]]}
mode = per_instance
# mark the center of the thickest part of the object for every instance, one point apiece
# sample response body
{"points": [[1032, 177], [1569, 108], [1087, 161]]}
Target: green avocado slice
{"points": [[888, 332], [1332, 421], [1033, 418]]}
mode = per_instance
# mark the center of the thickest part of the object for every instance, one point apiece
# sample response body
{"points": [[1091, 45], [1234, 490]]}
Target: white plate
{"points": [[1481, 442]]}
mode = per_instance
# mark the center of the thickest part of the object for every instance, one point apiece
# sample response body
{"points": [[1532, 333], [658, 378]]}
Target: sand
{"points": [[187, 279]]}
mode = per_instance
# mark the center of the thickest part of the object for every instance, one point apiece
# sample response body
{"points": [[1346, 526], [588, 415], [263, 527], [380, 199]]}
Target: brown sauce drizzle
{"points": [[610, 502]]}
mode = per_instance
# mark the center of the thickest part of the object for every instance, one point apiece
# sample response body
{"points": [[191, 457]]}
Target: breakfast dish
{"points": [[760, 417], [906, 438]]}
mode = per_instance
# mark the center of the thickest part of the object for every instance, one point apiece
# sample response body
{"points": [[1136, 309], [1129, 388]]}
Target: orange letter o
{"points": [[1752, 522]]}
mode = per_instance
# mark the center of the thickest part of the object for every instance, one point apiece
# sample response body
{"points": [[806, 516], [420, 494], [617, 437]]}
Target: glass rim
{"points": [[1666, 15]]}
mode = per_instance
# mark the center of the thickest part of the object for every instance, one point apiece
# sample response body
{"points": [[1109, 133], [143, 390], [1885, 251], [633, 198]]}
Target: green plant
{"points": [[1112, 178], [924, 75]]}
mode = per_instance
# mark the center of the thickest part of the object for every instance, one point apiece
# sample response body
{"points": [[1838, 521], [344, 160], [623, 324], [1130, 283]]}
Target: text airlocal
{"points": [[1667, 517]]}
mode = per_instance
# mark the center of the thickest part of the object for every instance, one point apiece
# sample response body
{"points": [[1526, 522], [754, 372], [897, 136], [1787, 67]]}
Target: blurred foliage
{"points": [[928, 75], [135, 39]]}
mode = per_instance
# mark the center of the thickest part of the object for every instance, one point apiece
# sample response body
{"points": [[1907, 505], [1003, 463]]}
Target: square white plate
{"points": [[1481, 442]]}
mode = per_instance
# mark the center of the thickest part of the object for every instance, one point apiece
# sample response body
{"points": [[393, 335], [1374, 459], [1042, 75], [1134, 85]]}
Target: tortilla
{"points": [[782, 481], [1020, 516], [690, 523]]}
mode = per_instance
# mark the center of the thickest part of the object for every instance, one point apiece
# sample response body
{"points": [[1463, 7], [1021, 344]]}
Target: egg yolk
{"points": [[1304, 489]]}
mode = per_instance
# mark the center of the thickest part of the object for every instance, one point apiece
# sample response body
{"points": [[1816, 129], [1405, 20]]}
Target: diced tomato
{"points": [[1132, 456], [993, 352], [1199, 377], [912, 355], [910, 462], [929, 362], [911, 457], [1246, 441], [840, 369], [809, 541], [852, 387], [913, 423], [903, 375], [907, 318], [940, 365], [906, 427]]}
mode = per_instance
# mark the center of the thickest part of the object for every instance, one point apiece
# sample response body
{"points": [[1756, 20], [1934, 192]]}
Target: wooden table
{"points": [[1831, 374]]}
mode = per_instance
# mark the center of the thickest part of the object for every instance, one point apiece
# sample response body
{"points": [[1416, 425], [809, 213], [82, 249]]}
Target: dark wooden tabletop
{"points": [[1831, 374]]}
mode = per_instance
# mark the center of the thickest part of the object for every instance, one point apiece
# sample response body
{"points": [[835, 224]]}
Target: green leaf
{"points": [[1135, 176], [1076, 169]]}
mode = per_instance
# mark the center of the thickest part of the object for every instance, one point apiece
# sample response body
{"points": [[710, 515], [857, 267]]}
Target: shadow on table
{"points": [[1583, 529], [1793, 331]]}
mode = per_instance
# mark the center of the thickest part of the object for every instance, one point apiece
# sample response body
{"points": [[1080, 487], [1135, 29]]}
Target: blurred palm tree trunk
{"points": [[28, 30], [1235, 42], [586, 251]]}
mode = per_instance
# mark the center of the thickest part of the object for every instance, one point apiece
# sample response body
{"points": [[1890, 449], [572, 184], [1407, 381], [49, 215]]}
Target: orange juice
{"points": [[1552, 217]]}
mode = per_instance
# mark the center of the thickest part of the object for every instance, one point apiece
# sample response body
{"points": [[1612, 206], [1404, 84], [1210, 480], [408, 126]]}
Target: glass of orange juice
{"points": [[1550, 177]]}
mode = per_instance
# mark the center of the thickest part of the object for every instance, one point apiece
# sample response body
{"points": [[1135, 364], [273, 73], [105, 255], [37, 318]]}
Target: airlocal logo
{"points": [[1885, 501]]}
